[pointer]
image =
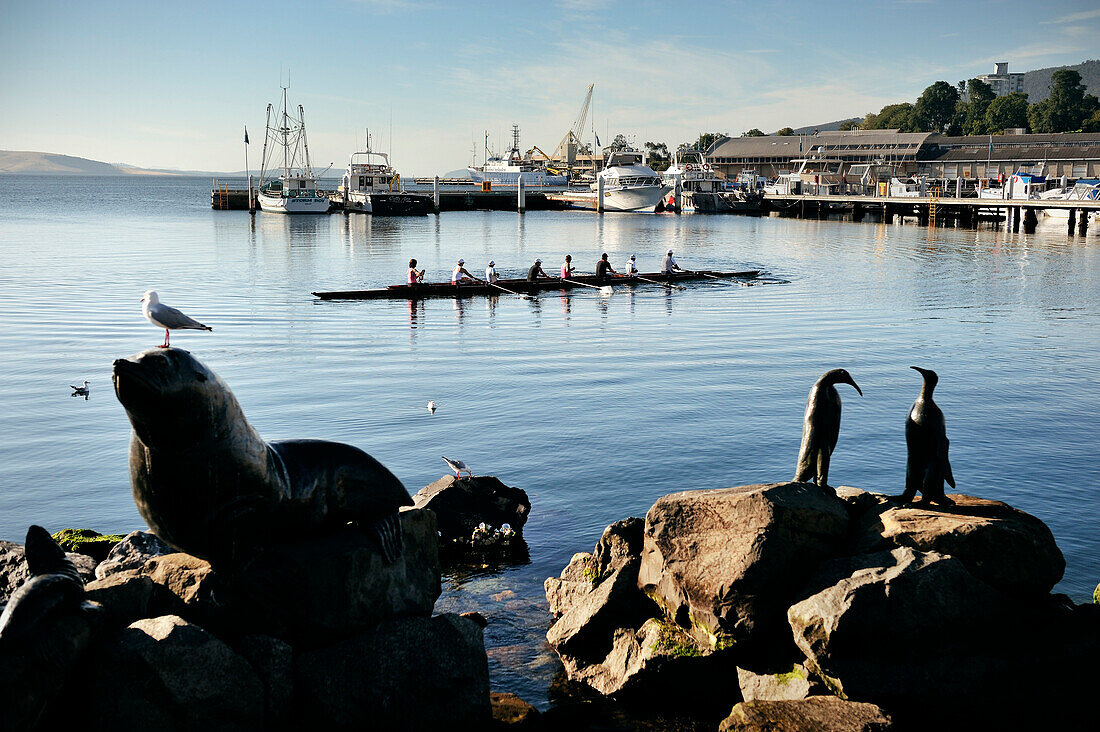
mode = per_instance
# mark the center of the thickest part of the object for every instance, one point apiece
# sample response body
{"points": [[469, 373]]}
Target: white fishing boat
{"points": [[815, 176], [691, 172], [510, 168], [1020, 186], [371, 185], [291, 188]]}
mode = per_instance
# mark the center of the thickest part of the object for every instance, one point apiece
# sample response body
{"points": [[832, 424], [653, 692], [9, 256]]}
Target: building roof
{"points": [[1072, 139], [1031, 153], [869, 142]]}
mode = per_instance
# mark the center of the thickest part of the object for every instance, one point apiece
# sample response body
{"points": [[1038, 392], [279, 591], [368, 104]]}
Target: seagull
{"points": [[431, 409], [80, 390], [167, 317], [458, 466]]}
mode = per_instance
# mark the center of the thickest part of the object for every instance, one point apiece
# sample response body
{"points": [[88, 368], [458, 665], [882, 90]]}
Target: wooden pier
{"points": [[932, 210]]}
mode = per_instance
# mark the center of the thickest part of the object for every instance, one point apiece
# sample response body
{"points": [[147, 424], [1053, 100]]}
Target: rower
{"points": [[669, 265], [491, 272], [567, 268], [536, 271], [631, 267], [459, 274], [602, 268], [414, 276]]}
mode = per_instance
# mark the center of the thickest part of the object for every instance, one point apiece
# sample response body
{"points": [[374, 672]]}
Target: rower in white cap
{"points": [[491, 272], [459, 273], [669, 265], [631, 268], [536, 271]]}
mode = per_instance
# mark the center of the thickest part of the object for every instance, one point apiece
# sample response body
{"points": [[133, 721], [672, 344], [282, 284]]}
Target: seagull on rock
{"points": [[80, 390], [167, 317], [458, 466]]}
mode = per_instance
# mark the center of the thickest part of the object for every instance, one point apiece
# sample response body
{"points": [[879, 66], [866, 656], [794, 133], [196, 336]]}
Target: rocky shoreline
{"points": [[781, 606]]}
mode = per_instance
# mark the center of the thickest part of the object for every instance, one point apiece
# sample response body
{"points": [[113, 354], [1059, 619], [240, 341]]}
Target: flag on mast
{"points": [[246, 134]]}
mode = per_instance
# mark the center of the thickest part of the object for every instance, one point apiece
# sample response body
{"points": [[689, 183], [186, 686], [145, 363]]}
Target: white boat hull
{"points": [[642, 198], [293, 204]]}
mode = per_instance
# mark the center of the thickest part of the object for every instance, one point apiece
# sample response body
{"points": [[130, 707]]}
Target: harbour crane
{"points": [[566, 150]]}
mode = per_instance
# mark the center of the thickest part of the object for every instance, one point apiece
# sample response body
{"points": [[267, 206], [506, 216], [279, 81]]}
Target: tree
{"points": [[892, 116], [754, 132], [972, 120], [785, 132], [848, 125], [1008, 111], [935, 108], [619, 143], [705, 140], [1067, 107], [658, 155], [1092, 124]]}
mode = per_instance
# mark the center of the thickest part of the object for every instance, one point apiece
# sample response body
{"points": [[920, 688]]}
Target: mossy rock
{"points": [[86, 541], [1096, 595]]}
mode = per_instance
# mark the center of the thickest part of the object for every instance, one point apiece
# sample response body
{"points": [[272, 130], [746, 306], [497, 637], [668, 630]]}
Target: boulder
{"points": [[579, 578], [1004, 547], [412, 673], [132, 552], [87, 541], [126, 596], [511, 712], [727, 563], [185, 583], [583, 634], [32, 677], [819, 713], [658, 667], [462, 504], [14, 572], [167, 674], [795, 682], [620, 543], [317, 590], [900, 628], [273, 662]]}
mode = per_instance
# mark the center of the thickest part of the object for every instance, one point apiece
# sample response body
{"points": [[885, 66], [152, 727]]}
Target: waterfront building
{"points": [[772, 155], [1001, 81]]}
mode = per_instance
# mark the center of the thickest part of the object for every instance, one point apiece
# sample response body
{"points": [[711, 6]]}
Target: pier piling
{"points": [[435, 193], [521, 204]]}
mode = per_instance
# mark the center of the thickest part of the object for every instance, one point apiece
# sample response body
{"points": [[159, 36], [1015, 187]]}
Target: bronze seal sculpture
{"points": [[207, 483], [821, 427], [927, 466]]}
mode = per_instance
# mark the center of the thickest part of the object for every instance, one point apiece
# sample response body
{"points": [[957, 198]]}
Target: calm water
{"points": [[595, 405]]}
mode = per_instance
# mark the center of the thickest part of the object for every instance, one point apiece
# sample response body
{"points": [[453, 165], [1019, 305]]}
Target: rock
{"points": [[31, 679], [87, 541], [901, 627], [1096, 595], [793, 683], [1004, 547], [404, 674], [820, 713], [621, 542], [188, 579], [461, 504], [727, 563], [477, 617], [317, 590], [658, 667], [132, 552], [273, 662], [857, 499], [577, 579], [126, 596], [166, 673], [511, 712], [584, 632], [14, 572]]}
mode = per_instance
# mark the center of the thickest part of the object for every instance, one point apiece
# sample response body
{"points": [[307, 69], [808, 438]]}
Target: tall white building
{"points": [[1003, 82]]}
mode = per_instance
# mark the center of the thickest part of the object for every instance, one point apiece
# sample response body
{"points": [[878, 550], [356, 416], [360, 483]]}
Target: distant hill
{"points": [[1037, 82], [40, 163]]}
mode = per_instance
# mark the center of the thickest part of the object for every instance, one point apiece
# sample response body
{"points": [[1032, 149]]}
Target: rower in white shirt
{"points": [[669, 265], [631, 268], [459, 274], [491, 272]]}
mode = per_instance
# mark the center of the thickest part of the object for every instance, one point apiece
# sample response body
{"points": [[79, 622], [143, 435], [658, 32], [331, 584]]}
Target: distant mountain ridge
{"points": [[29, 162], [1037, 82]]}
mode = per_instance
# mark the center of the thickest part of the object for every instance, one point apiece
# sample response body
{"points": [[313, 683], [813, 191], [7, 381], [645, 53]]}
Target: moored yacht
{"points": [[815, 176], [371, 185], [294, 190], [702, 189], [510, 168]]}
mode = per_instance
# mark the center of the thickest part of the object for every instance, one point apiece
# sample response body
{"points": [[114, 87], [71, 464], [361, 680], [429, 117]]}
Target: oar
{"points": [[713, 277], [605, 288], [524, 295], [669, 284]]}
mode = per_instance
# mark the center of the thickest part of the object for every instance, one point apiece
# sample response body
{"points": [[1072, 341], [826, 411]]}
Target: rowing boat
{"points": [[472, 289]]}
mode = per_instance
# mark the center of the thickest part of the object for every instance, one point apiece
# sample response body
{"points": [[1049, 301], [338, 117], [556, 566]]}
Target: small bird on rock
{"points": [[458, 466], [80, 390], [167, 317]]}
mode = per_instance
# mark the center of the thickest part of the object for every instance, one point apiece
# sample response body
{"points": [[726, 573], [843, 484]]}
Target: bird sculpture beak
{"points": [[854, 384], [919, 370]]}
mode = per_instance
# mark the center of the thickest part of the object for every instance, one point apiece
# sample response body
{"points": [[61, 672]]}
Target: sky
{"points": [[172, 85]]}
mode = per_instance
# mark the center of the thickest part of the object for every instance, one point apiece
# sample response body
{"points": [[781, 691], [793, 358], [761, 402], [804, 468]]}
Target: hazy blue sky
{"points": [[172, 84]]}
